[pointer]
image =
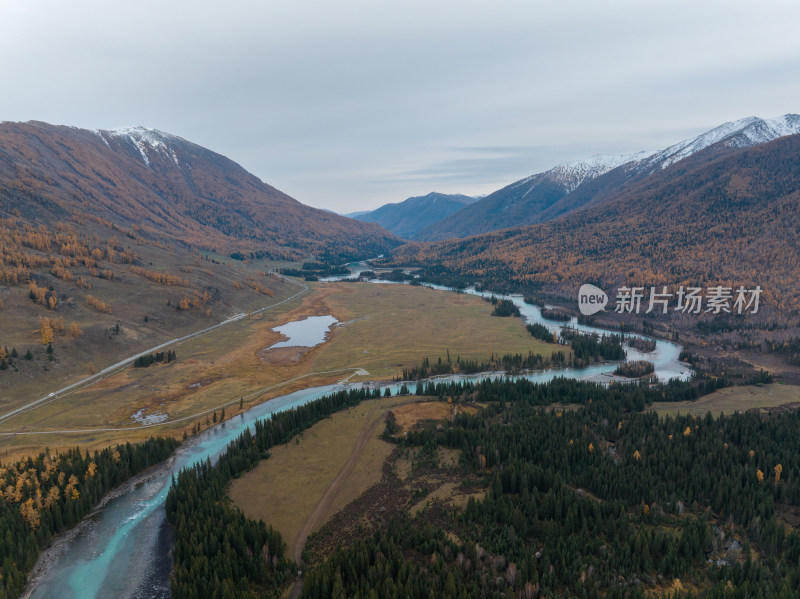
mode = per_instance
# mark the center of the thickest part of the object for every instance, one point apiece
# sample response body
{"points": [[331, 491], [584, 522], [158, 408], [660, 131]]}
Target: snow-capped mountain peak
{"points": [[574, 174], [745, 132], [144, 139]]}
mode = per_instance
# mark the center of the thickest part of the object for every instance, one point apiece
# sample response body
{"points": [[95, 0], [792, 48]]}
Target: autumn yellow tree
{"points": [[75, 330], [57, 324], [71, 491], [45, 330], [53, 495], [97, 304], [778, 469], [30, 514]]}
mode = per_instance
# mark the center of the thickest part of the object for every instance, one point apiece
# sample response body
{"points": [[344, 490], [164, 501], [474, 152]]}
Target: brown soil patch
{"points": [[408, 416], [282, 355], [771, 363]]}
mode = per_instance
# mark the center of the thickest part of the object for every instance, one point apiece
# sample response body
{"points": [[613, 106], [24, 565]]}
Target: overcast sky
{"points": [[350, 104]]}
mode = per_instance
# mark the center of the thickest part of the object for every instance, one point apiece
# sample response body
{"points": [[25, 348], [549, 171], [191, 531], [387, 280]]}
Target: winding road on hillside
{"points": [[114, 368]]}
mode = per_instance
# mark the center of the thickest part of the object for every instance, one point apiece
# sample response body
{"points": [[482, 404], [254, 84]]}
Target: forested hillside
{"points": [[598, 502], [50, 493], [78, 295], [406, 219], [163, 185], [717, 218], [602, 500]]}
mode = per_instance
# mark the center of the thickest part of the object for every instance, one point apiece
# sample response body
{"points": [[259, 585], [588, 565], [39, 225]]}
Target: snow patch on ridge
{"points": [[574, 174], [144, 139], [745, 132]]}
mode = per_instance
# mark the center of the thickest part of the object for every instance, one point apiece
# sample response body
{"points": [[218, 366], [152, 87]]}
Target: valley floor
{"points": [[383, 328]]}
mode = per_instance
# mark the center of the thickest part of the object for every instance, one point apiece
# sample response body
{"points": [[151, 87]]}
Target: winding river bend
{"points": [[121, 551]]}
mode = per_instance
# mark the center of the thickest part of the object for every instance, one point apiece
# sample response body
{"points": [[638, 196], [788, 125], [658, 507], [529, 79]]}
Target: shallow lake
{"points": [[308, 332]]}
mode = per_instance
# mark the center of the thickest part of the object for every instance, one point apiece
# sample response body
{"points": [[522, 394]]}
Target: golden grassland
{"points": [[211, 370], [732, 399], [384, 328], [388, 327], [408, 416], [284, 489]]}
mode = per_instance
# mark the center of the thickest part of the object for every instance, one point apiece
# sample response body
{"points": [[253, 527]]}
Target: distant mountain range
{"points": [[726, 214], [166, 186], [568, 187], [406, 219]]}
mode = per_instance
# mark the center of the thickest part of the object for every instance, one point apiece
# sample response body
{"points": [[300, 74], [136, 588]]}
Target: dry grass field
{"points": [[408, 416], [284, 489], [732, 399], [383, 329], [147, 313], [388, 327]]}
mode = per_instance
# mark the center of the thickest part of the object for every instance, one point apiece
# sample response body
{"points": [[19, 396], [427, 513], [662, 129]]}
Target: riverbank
{"points": [[59, 544], [123, 548]]}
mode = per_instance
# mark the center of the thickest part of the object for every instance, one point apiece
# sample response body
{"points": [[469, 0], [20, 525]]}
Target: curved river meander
{"points": [[121, 550]]}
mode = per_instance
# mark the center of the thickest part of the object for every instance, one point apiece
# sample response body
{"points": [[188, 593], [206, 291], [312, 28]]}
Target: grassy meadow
{"points": [[384, 327], [733, 399]]}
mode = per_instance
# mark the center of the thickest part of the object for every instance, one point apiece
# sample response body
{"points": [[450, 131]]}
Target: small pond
{"points": [[308, 332]]}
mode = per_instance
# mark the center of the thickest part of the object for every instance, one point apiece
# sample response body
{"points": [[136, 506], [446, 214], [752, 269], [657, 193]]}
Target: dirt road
{"points": [[324, 505]]}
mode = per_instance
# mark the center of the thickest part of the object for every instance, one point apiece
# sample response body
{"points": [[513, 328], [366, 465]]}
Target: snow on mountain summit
{"points": [[144, 139], [745, 132], [573, 174]]}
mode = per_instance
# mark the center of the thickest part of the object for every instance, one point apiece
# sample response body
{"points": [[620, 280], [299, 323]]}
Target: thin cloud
{"points": [[354, 104]]}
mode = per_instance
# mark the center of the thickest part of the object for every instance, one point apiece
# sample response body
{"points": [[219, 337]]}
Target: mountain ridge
{"points": [[725, 215], [168, 186], [405, 219], [552, 193]]}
